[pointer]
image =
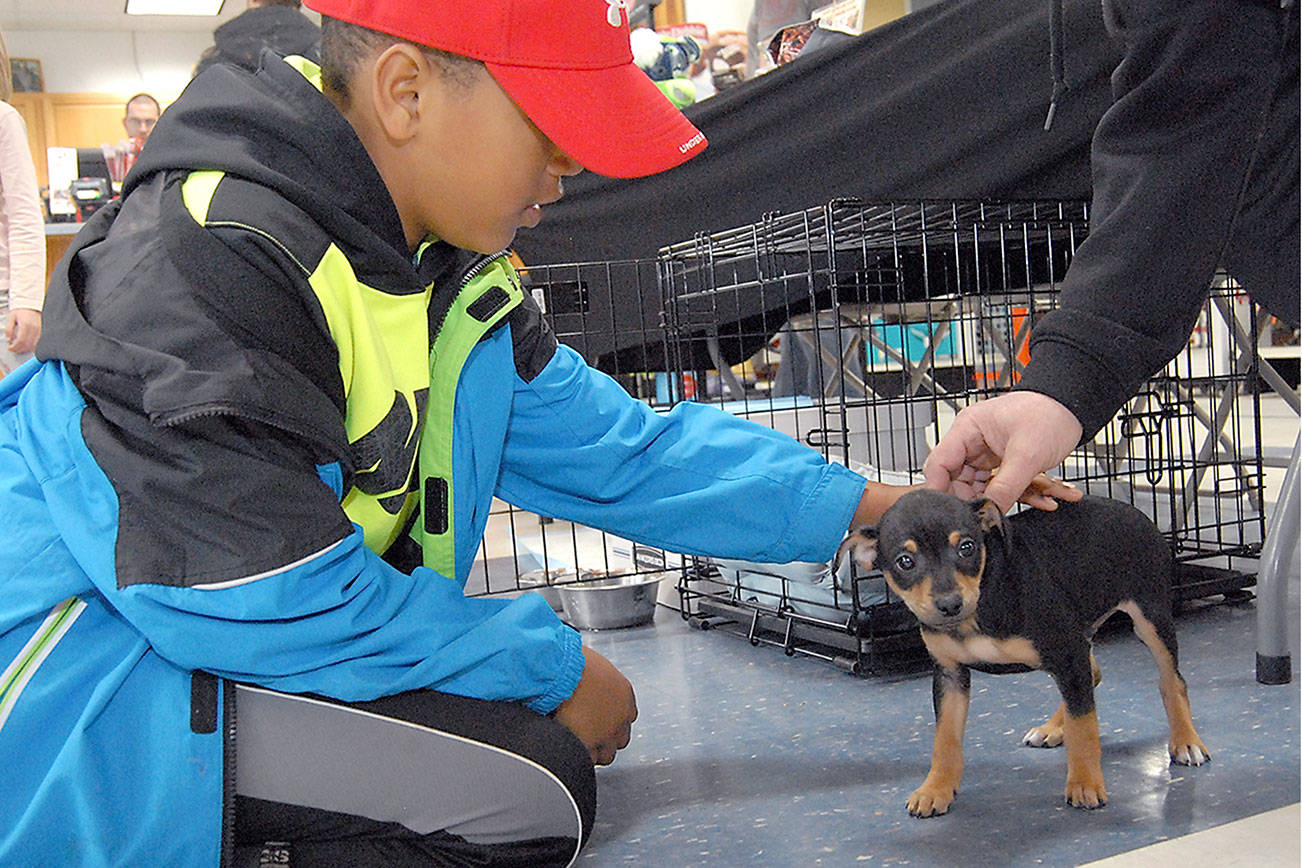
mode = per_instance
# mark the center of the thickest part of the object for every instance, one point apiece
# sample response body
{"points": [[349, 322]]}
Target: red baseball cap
{"points": [[566, 63]]}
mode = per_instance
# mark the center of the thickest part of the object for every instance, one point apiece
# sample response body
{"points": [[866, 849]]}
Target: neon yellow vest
{"points": [[394, 380]]}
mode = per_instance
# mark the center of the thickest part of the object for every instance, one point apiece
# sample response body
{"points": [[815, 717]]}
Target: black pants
{"points": [[421, 778]]}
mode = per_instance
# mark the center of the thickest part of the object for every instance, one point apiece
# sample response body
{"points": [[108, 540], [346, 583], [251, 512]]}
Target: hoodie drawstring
{"points": [[1055, 59]]}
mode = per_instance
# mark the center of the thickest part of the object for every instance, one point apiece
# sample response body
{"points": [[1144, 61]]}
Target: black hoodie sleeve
{"points": [[1200, 97]]}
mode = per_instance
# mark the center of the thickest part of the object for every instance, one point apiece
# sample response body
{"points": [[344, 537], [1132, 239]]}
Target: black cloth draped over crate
{"points": [[948, 102]]}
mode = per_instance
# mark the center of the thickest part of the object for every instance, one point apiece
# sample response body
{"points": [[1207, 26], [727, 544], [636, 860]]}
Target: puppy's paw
{"points": [[930, 801], [1191, 754], [1086, 794], [1045, 735]]}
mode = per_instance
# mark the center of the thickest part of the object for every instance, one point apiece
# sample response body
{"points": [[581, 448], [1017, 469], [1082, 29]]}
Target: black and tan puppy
{"points": [[1008, 594]]}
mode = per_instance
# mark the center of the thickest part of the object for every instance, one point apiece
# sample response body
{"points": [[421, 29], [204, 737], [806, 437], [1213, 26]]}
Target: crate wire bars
{"points": [[887, 319], [860, 329]]}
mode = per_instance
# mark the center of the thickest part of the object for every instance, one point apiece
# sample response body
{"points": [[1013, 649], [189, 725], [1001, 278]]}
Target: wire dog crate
{"points": [[609, 312], [862, 328]]}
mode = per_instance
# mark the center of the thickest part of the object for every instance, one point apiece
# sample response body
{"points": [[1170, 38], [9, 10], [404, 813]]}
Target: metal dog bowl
{"points": [[606, 604], [545, 582]]}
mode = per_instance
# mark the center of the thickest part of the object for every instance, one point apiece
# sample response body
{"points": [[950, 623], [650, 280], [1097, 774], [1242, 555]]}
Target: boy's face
{"points": [[478, 168]]}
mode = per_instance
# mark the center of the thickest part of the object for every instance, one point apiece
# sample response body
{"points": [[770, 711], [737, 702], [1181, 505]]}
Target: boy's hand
{"points": [[602, 709]]}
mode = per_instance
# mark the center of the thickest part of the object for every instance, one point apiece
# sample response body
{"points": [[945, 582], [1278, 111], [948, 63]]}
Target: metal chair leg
{"points": [[1279, 557]]}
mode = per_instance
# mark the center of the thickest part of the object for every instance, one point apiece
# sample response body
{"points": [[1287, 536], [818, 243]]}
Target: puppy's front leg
{"points": [[1080, 732], [950, 689]]}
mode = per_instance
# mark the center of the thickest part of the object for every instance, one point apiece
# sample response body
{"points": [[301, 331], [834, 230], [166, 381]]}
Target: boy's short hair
{"points": [[567, 64], [345, 46]]}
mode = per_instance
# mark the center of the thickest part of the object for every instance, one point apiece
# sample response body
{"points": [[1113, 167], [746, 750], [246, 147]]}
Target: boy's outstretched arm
{"points": [[877, 498]]}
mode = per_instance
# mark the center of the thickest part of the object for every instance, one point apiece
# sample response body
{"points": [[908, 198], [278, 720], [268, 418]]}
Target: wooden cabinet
{"points": [[668, 13], [72, 120]]}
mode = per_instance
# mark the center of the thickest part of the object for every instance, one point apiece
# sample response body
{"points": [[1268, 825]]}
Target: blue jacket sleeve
{"points": [[340, 622], [696, 480], [348, 625]]}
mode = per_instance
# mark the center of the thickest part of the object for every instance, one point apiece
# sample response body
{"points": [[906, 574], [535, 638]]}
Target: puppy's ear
{"points": [[862, 545], [989, 514]]}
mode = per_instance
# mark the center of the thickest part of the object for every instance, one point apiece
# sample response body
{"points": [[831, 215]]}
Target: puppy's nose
{"points": [[949, 605]]}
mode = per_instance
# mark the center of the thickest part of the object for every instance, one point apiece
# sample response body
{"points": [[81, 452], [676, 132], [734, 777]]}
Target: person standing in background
{"points": [[22, 233], [139, 116], [274, 24]]}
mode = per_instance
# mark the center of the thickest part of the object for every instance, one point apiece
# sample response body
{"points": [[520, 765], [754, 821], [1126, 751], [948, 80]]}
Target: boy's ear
{"points": [[990, 515], [862, 545], [396, 79]]}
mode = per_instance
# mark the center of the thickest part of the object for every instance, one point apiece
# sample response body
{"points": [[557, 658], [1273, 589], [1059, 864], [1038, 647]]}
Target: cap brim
{"points": [[613, 121]]}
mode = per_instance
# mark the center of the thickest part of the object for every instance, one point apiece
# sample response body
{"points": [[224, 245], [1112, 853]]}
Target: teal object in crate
{"points": [[910, 339]]}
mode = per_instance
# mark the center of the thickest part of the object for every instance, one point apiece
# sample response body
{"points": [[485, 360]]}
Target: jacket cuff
{"points": [[1089, 365], [569, 671], [823, 519]]}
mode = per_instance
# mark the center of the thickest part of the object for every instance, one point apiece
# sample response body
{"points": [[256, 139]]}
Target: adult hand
{"points": [[602, 709], [22, 328], [997, 447]]}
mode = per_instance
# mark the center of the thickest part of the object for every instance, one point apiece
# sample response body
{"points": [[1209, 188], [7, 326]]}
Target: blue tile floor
{"points": [[744, 756]]}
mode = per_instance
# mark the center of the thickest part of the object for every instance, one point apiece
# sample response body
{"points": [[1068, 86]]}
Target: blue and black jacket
{"points": [[222, 440]]}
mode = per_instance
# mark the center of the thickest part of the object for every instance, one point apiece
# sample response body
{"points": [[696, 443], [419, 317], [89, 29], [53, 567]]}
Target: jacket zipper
{"points": [[227, 858], [171, 420], [479, 265], [474, 270]]}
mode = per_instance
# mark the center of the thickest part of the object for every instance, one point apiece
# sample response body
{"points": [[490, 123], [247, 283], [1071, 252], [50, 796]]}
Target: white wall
{"points": [[106, 61]]}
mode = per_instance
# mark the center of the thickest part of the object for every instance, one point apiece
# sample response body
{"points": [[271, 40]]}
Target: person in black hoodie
{"points": [[274, 24], [1194, 166]]}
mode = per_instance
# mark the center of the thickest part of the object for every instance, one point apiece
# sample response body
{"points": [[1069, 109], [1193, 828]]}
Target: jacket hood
{"points": [[274, 127], [285, 31]]}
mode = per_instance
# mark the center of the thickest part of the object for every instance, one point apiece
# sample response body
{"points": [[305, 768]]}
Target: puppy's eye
{"points": [[904, 563], [967, 547]]}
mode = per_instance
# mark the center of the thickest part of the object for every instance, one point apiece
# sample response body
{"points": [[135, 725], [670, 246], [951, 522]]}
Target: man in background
{"points": [[140, 115], [274, 24]]}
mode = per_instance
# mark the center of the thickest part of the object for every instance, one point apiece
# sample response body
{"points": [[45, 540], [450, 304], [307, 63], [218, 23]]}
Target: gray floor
{"points": [[743, 756]]}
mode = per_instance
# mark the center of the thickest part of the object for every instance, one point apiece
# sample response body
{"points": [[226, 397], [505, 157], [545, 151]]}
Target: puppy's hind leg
{"points": [[1153, 625], [1049, 733], [1070, 667]]}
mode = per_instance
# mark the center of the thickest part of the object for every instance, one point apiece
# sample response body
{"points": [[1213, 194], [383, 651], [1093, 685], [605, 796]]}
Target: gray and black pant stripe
{"points": [[420, 778]]}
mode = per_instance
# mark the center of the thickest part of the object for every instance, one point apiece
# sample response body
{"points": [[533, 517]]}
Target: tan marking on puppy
{"points": [[1049, 733], [954, 537], [970, 586], [910, 546], [1185, 747], [918, 598], [981, 649], [937, 792], [920, 601], [1084, 761]]}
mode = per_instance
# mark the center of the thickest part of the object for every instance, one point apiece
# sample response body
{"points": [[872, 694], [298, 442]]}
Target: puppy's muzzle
{"points": [[949, 605]]}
